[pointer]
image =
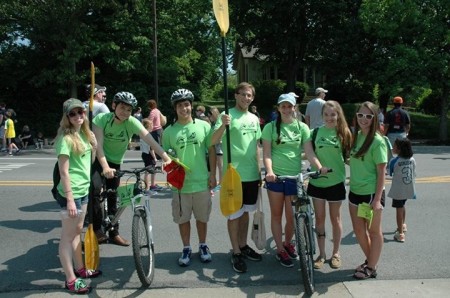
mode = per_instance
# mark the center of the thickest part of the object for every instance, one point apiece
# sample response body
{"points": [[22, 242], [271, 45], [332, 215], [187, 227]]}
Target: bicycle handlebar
{"points": [[307, 175], [137, 171]]}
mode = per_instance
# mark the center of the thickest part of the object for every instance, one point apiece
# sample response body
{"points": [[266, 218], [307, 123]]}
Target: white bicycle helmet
{"points": [[181, 94], [126, 97]]}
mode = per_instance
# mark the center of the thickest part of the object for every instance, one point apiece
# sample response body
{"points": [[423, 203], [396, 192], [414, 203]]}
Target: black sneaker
{"points": [[238, 263], [250, 254], [284, 259]]}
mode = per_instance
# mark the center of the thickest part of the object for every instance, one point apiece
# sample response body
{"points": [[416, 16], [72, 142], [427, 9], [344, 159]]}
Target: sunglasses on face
{"points": [[75, 113], [366, 116]]}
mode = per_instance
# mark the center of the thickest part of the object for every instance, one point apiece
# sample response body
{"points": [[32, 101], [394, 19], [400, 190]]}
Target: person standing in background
{"points": [[99, 100], [313, 114], [157, 130], [397, 122]]}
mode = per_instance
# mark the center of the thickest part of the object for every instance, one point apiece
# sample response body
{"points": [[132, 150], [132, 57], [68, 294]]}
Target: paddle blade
{"points": [[220, 8], [91, 251], [230, 192]]}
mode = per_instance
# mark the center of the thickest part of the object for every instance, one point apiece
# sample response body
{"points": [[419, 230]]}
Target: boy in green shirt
{"points": [[113, 132], [190, 140], [245, 132]]}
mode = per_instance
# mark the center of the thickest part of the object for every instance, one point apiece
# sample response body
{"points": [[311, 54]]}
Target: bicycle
{"points": [[141, 229], [304, 227]]}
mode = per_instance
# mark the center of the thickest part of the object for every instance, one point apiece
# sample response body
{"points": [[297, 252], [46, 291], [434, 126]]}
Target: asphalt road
{"points": [[30, 229]]}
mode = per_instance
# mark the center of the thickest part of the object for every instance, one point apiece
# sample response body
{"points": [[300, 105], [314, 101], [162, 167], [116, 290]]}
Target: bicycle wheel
{"points": [[305, 252], [143, 250]]}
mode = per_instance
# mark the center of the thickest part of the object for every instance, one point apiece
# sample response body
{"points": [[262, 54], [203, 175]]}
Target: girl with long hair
{"points": [[368, 160], [332, 143], [74, 145]]}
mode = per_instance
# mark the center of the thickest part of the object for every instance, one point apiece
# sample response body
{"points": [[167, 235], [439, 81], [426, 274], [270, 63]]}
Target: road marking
{"points": [[12, 166]]}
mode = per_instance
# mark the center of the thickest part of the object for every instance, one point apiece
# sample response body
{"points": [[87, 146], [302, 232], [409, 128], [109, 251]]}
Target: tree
{"points": [[415, 44], [46, 47]]}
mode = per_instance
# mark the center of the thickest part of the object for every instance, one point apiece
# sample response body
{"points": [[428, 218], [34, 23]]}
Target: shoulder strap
{"points": [[313, 138]]}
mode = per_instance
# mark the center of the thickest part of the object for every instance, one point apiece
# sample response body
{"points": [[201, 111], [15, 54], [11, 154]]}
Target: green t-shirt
{"points": [[79, 167], [190, 143], [116, 137], [328, 149], [244, 135], [363, 170], [287, 155]]}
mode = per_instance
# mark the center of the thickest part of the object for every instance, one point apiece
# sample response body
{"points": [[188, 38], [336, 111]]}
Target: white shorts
{"points": [[240, 212]]}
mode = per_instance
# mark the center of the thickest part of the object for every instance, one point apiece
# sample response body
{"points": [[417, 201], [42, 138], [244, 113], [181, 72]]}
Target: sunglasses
{"points": [[367, 116], [75, 113]]}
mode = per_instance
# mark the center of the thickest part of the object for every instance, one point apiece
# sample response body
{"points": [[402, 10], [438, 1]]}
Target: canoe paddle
{"points": [[231, 188]]}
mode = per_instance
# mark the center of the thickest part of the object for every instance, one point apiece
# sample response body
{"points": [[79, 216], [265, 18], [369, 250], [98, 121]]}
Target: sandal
{"points": [[361, 267], [335, 262], [366, 273], [318, 263]]}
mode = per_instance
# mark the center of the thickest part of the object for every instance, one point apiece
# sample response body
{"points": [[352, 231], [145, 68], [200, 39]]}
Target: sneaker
{"points": [[318, 263], [78, 286], [238, 263], [290, 249], [405, 228], [285, 259], [156, 187], [185, 258], [399, 237], [87, 273], [250, 254], [335, 262], [205, 255]]}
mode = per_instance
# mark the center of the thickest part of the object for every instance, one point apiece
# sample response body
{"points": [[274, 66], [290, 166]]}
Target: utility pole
{"points": [[155, 53]]}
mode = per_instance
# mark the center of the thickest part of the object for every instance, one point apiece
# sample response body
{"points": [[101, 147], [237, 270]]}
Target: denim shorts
{"points": [[62, 201], [287, 186]]}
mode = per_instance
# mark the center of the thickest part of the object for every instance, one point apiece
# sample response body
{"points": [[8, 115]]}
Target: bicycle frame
{"points": [[304, 228]]}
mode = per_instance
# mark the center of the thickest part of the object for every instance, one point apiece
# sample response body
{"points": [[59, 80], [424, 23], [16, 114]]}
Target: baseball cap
{"points": [[287, 98], [293, 94], [97, 88], [398, 99], [320, 89], [71, 104]]}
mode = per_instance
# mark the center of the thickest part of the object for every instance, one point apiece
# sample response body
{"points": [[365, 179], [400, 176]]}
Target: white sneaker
{"points": [[185, 258], [205, 255]]}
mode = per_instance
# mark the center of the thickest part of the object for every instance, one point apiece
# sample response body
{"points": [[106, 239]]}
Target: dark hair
{"points": [[404, 148]]}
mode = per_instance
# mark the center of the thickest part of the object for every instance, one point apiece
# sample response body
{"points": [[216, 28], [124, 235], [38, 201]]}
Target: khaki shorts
{"points": [[198, 203]]}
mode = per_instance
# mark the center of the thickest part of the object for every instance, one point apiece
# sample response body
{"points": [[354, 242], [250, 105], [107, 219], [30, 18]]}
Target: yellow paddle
{"points": [[231, 188], [91, 251]]}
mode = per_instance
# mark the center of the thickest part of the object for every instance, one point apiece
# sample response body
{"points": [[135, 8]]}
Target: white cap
{"points": [[320, 90]]}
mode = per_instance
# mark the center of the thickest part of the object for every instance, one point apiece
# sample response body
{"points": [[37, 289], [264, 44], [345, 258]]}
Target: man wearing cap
{"points": [[397, 122], [313, 115], [99, 100]]}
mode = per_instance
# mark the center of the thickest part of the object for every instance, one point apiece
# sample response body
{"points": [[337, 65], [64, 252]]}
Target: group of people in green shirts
{"points": [[191, 139]]}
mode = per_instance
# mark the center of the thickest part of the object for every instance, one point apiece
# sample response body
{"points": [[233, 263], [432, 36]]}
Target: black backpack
{"points": [[56, 179]]}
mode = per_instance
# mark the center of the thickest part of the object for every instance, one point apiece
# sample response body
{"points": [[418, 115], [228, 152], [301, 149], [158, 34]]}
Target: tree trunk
{"points": [[443, 132]]}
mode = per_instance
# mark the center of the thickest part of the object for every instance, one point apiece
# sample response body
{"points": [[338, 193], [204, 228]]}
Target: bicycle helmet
{"points": [[181, 94], [125, 97]]}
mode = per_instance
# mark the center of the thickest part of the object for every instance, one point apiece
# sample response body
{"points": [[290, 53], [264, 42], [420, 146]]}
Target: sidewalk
{"points": [[355, 289]]}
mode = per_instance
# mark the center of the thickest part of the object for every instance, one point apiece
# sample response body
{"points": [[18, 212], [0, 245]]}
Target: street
{"points": [[30, 231]]}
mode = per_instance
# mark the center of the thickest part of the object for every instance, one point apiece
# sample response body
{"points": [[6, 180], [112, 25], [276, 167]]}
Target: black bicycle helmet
{"points": [[181, 94], [126, 97]]}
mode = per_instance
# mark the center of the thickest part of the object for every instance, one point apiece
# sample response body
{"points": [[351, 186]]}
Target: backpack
{"points": [[56, 179]]}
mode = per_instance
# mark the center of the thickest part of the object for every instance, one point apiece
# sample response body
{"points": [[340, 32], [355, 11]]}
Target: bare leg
{"points": [[202, 228], [336, 223], [185, 232], [320, 215]]}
